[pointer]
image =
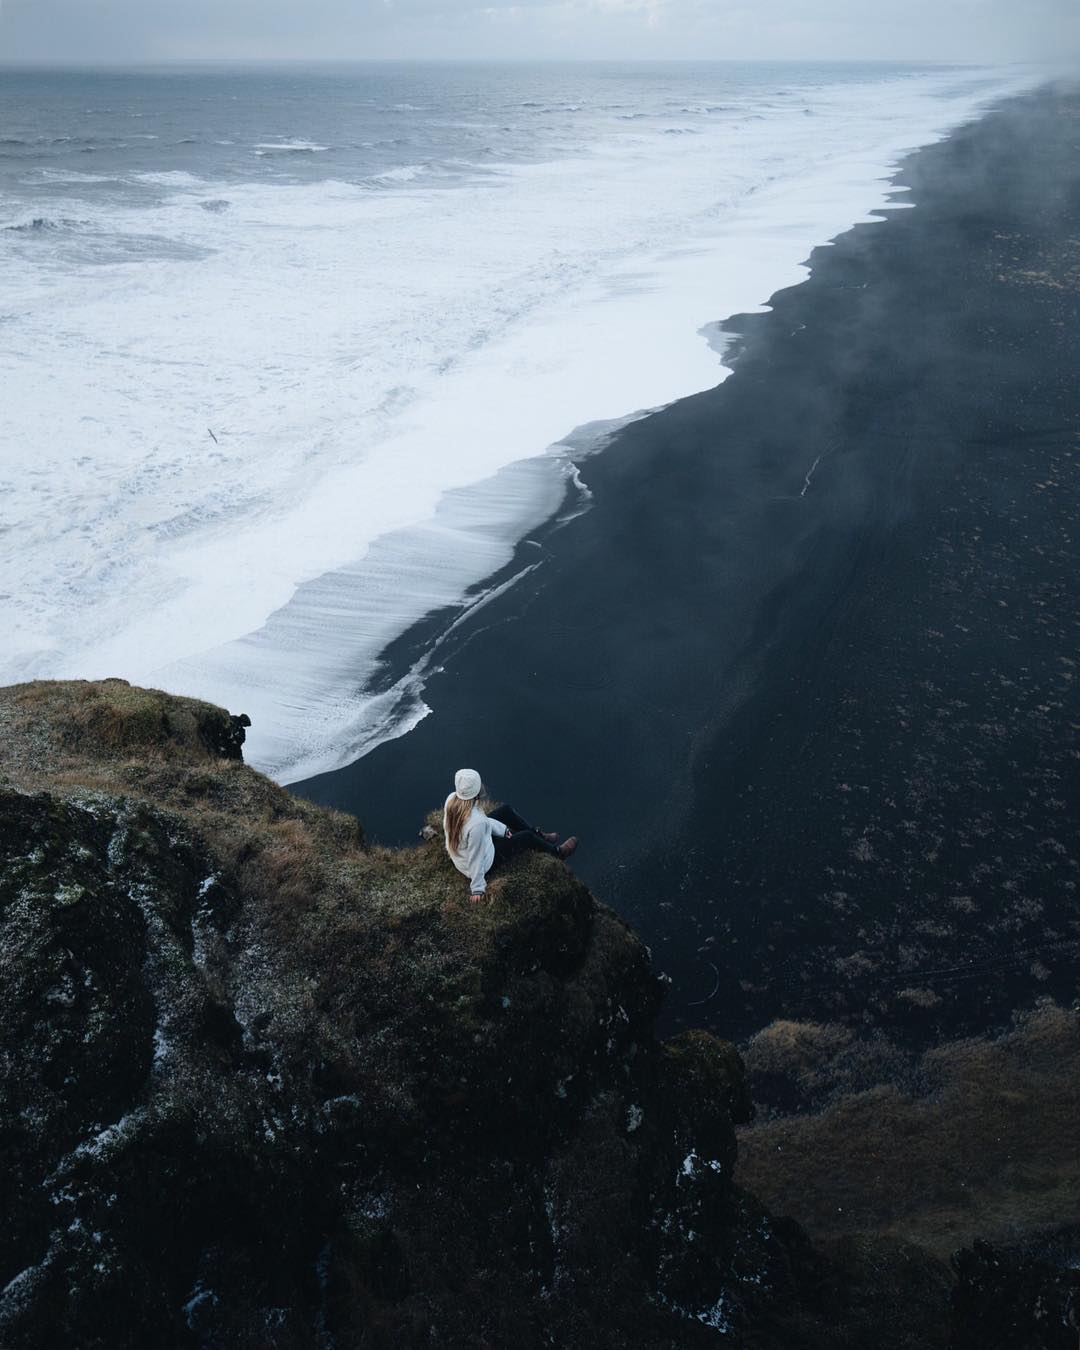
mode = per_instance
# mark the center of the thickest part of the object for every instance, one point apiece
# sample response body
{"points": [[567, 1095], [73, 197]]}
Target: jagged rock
{"points": [[266, 1086]]}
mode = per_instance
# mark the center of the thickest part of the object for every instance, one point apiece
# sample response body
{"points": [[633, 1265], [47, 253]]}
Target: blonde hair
{"points": [[455, 818]]}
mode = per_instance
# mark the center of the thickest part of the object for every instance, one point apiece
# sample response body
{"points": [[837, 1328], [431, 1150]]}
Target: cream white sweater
{"points": [[476, 852]]}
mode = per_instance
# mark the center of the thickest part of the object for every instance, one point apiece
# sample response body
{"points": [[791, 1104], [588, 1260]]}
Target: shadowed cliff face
{"points": [[264, 1086]]}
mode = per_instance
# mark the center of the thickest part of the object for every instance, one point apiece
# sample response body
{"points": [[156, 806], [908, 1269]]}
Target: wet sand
{"points": [[804, 678]]}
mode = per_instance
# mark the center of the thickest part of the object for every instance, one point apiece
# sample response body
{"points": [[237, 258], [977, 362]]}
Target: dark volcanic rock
{"points": [[1008, 1301], [266, 1087], [128, 1121]]}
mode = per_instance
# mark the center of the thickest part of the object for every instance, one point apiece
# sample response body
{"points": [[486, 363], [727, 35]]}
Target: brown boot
{"points": [[552, 838], [568, 846]]}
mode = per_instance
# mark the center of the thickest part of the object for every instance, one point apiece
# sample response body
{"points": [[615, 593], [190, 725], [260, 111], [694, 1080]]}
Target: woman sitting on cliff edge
{"points": [[475, 841]]}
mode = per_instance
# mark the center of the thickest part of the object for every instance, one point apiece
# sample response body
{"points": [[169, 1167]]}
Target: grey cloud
{"points": [[132, 30]]}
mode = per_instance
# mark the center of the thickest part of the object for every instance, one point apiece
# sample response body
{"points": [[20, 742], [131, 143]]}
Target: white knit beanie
{"points": [[467, 784]]}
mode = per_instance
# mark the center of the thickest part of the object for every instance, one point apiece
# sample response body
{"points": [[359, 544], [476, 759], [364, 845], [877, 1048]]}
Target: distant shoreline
{"points": [[330, 62]]}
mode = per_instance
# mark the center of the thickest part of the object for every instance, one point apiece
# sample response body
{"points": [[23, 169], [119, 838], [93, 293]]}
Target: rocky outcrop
{"points": [[975, 1137], [265, 1085]]}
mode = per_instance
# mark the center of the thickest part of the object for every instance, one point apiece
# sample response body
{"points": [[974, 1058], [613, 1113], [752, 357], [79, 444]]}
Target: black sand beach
{"points": [[804, 678]]}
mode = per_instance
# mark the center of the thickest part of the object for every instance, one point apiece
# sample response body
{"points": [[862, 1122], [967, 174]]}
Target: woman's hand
{"points": [[509, 834], [476, 897]]}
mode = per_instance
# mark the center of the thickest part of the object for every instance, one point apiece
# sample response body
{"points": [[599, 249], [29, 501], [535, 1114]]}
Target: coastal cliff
{"points": [[267, 1085]]}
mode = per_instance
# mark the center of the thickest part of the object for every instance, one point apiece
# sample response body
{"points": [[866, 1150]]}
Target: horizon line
{"points": [[34, 63]]}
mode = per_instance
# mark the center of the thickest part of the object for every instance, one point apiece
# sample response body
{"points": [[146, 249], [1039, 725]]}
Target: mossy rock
{"points": [[267, 1086], [113, 717]]}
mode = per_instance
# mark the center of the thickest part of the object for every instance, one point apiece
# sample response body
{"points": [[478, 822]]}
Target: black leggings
{"points": [[524, 835]]}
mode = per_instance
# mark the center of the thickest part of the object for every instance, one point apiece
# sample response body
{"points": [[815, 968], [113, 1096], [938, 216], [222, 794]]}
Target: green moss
{"points": [[247, 1046]]}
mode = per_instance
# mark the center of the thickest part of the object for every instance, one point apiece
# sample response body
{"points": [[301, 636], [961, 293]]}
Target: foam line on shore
{"points": [[324, 647]]}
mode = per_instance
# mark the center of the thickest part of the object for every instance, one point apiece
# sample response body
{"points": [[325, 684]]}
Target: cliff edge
{"points": [[266, 1085]]}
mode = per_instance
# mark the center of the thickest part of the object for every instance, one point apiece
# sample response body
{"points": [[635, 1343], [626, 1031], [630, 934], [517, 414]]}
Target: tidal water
{"points": [[292, 357]]}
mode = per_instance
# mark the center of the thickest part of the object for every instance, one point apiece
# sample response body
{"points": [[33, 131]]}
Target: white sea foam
{"points": [[251, 472], [173, 178], [405, 173], [288, 147], [74, 176]]}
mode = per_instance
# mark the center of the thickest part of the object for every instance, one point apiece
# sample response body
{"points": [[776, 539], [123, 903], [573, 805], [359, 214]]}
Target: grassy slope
{"points": [[978, 1138]]}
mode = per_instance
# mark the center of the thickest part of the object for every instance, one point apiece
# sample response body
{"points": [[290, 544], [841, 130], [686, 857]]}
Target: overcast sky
{"points": [[155, 30]]}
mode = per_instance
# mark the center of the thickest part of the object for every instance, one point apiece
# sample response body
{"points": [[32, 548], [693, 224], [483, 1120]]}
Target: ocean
{"points": [[294, 357]]}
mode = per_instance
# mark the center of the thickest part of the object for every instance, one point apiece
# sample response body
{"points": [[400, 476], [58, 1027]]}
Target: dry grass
{"points": [[53, 726], [989, 1150], [806, 1066], [308, 883]]}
